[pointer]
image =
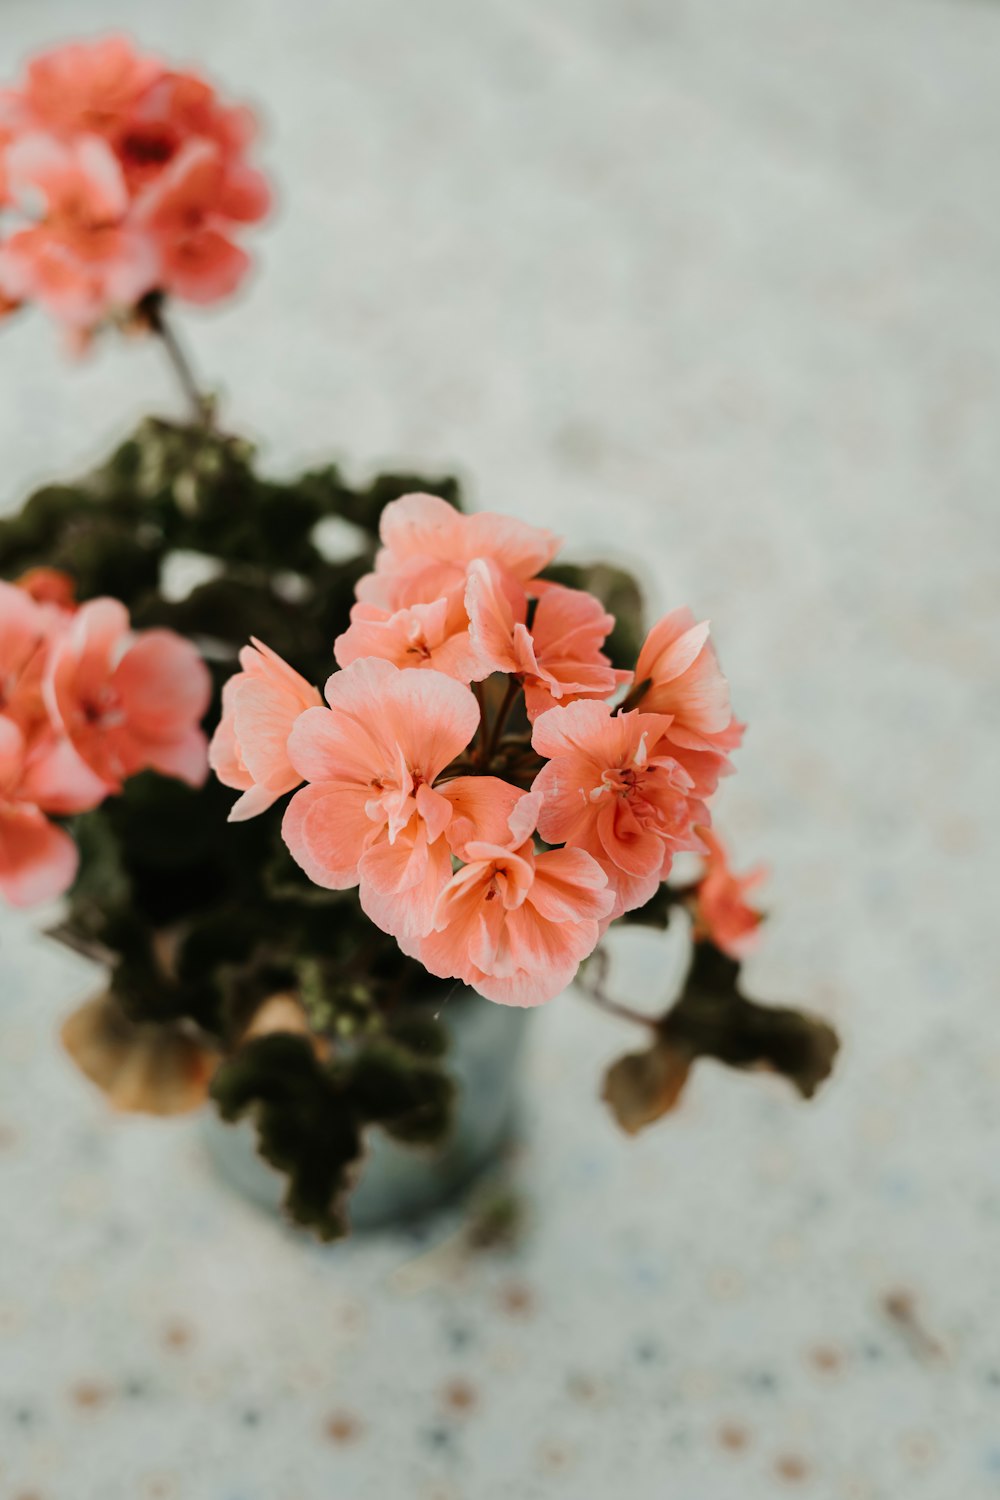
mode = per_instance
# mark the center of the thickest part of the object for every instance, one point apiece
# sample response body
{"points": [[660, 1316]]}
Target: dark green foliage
{"points": [[200, 920], [420, 1032], [713, 1018], [409, 1095], [310, 1111], [161, 856], [172, 488], [305, 1124]]}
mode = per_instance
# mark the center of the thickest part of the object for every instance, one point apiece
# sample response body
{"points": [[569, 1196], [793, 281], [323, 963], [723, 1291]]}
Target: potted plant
{"points": [[443, 762]]}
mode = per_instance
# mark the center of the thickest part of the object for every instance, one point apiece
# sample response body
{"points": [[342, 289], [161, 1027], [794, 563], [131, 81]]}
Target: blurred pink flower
{"points": [[38, 861], [179, 108], [51, 773], [129, 177], [614, 788], [49, 586], [249, 750], [514, 924], [721, 913], [560, 659], [26, 627], [128, 701], [83, 87], [371, 814], [187, 217], [82, 259]]}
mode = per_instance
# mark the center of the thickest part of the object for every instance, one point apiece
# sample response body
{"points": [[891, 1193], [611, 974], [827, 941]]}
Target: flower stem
{"points": [[634, 697], [479, 746], [593, 987], [503, 714], [200, 404]]}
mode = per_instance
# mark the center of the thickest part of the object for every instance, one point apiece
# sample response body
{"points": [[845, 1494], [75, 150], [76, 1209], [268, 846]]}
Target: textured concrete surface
{"points": [[713, 287]]}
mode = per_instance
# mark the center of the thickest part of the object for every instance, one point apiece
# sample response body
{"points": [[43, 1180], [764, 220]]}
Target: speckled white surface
{"points": [[716, 287]]}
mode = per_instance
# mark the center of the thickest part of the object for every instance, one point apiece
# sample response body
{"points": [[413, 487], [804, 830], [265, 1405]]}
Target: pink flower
{"points": [[560, 659], [51, 773], [82, 260], [85, 86], [38, 861], [249, 750], [6, 136], [686, 682], [514, 924], [129, 701], [432, 635], [49, 586], [371, 814], [130, 179], [721, 913], [187, 216], [26, 629], [614, 788], [481, 811], [180, 108], [427, 546]]}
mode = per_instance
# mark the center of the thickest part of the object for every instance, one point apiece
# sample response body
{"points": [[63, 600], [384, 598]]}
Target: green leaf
{"points": [[713, 1018], [411, 1098], [305, 1125], [419, 1031]]}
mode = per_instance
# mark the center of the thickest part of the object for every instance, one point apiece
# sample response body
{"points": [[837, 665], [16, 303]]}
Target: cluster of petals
{"points": [[722, 914], [249, 750], [435, 860], [455, 593], [428, 545], [371, 814], [559, 659], [683, 679], [504, 889], [120, 177], [84, 703], [613, 786], [514, 923]]}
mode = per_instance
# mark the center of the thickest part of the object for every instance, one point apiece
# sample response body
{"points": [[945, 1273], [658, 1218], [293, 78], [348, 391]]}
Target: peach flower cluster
{"points": [[85, 703], [120, 176], [494, 787]]}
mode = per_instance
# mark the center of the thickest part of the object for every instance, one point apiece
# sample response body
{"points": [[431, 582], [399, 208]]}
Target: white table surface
{"points": [[715, 287]]}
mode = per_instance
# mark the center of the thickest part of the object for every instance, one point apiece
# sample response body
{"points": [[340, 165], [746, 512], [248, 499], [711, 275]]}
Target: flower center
{"points": [[102, 710], [150, 148]]}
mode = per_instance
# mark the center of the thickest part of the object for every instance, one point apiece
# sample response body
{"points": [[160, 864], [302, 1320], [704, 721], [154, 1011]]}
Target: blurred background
{"points": [[713, 290]]}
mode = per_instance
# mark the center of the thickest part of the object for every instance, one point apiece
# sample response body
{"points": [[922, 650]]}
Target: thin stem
{"points": [[201, 405], [633, 697], [479, 749], [503, 714], [594, 990], [459, 767]]}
